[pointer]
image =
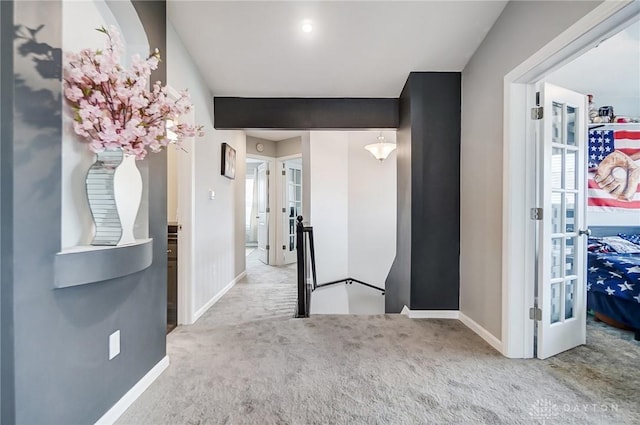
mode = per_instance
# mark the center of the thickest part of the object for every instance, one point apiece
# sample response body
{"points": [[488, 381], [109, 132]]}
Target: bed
{"points": [[613, 276]]}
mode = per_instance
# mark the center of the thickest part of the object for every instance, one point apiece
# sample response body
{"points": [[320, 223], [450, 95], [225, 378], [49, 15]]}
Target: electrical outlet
{"points": [[212, 194], [114, 344]]}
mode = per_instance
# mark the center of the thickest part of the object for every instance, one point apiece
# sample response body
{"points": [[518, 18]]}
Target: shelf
{"points": [[599, 125], [81, 265]]}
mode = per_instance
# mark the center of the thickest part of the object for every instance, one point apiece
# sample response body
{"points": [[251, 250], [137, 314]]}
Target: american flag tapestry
{"points": [[614, 170]]}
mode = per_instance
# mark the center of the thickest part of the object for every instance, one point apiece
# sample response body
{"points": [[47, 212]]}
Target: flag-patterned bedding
{"points": [[613, 286]]}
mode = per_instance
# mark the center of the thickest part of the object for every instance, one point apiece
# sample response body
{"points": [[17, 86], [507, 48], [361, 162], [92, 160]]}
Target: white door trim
{"points": [[272, 203], [517, 231], [280, 204], [288, 157]]}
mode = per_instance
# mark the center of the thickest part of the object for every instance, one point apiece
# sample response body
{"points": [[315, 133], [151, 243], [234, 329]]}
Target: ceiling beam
{"points": [[234, 113]]}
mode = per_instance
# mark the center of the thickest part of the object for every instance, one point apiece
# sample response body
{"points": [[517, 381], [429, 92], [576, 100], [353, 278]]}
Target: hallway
{"points": [[247, 361], [265, 293]]}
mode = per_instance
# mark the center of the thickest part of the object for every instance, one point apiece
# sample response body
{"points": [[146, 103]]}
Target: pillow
{"points": [[620, 245], [631, 237], [596, 245]]}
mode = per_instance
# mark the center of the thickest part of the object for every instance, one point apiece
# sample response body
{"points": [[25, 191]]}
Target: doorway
{"points": [[257, 209], [560, 219], [181, 224], [519, 220], [613, 196], [291, 194], [273, 195]]}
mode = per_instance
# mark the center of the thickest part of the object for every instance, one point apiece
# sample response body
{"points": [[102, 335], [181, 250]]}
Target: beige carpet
{"points": [[247, 361]]}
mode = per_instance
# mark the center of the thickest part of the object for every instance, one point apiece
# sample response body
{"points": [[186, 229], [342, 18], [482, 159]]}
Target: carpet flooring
{"points": [[247, 361]]}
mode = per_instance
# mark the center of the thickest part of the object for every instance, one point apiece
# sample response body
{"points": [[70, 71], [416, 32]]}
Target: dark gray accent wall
{"points": [[398, 283], [428, 239], [6, 216], [305, 113], [60, 337]]}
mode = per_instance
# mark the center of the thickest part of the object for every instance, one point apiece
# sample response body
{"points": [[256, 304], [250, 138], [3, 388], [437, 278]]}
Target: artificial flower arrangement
{"points": [[113, 106]]}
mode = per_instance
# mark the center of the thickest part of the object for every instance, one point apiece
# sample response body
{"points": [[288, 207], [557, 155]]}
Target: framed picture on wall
{"points": [[228, 161]]}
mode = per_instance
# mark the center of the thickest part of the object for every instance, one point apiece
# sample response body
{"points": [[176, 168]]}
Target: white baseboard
{"points": [[132, 395], [482, 332], [217, 297], [455, 314], [430, 314]]}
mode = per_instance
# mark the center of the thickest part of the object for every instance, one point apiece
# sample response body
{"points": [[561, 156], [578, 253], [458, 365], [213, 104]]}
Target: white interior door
{"points": [[263, 212], [292, 208], [561, 287]]}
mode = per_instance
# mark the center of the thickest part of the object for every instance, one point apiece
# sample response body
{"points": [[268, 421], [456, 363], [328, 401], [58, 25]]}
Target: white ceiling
{"points": [[612, 68], [356, 49]]}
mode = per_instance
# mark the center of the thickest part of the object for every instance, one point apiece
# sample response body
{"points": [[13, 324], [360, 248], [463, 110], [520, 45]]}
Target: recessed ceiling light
{"points": [[306, 26]]}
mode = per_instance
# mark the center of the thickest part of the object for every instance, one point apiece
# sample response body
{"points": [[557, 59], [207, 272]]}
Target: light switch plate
{"points": [[212, 194], [114, 344]]}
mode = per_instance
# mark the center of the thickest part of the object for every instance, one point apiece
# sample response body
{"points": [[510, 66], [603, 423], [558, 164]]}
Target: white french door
{"points": [[561, 286], [263, 212], [292, 208]]}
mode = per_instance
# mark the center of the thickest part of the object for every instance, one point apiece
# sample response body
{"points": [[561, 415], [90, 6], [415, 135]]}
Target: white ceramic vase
{"points": [[114, 191], [127, 190]]}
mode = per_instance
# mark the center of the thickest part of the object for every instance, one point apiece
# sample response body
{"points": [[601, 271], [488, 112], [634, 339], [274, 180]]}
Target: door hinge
{"points": [[268, 248], [268, 172], [284, 173], [284, 210], [536, 213], [537, 113], [535, 313], [268, 210]]}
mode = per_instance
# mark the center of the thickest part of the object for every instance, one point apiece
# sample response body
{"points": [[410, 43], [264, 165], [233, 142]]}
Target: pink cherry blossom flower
{"points": [[73, 93], [114, 109]]}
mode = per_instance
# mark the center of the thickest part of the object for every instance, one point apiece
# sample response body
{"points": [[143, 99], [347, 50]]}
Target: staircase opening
{"points": [[343, 296]]}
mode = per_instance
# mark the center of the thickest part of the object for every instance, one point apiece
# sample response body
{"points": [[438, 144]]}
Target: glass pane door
{"points": [[561, 286], [292, 207], [563, 194]]}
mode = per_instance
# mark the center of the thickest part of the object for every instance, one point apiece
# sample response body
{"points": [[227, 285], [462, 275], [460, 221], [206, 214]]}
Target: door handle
{"points": [[584, 232]]}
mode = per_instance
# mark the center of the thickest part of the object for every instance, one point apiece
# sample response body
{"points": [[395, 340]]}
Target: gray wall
{"points": [[522, 29], [6, 217], [273, 148], [60, 336], [435, 190], [428, 178], [287, 147], [269, 147], [217, 226]]}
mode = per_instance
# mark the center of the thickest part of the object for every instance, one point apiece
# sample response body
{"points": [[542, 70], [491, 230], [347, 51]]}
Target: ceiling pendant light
{"points": [[382, 149]]}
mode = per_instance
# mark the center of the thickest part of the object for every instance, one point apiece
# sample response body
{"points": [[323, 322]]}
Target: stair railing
{"points": [[307, 280], [306, 263]]}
